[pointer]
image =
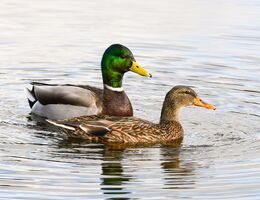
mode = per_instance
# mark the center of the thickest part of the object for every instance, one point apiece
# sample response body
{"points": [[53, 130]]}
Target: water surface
{"points": [[213, 46]]}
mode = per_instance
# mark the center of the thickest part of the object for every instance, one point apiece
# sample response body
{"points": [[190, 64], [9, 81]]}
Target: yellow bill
{"points": [[136, 68], [198, 102]]}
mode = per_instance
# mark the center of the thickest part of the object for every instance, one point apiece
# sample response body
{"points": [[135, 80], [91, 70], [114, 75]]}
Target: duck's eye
{"points": [[187, 92]]}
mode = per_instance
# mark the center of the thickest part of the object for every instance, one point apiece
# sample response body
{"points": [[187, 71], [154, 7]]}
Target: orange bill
{"points": [[198, 102]]}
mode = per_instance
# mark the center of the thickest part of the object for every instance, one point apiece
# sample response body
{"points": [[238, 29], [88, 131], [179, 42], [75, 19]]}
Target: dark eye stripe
{"points": [[190, 93], [127, 57], [123, 56]]}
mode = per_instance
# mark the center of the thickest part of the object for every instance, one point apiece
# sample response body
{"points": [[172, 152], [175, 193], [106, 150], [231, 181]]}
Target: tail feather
{"points": [[63, 126], [94, 130], [31, 95]]}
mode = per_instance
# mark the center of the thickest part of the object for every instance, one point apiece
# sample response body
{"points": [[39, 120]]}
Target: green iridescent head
{"points": [[116, 60]]}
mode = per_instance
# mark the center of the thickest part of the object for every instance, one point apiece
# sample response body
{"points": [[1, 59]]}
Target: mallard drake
{"points": [[66, 101], [109, 129]]}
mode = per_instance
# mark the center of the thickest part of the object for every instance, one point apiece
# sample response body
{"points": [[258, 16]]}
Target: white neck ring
{"points": [[119, 89]]}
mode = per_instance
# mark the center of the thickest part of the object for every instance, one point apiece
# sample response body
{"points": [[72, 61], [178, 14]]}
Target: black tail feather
{"points": [[32, 99]]}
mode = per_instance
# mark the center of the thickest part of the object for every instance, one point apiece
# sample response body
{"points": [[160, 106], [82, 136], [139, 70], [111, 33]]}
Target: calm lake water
{"points": [[211, 45]]}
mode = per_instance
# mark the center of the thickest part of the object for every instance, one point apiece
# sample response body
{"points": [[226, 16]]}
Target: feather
{"points": [[29, 90], [96, 130], [60, 125]]}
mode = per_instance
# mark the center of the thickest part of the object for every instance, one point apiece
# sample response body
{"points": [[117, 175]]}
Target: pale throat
{"points": [[171, 113]]}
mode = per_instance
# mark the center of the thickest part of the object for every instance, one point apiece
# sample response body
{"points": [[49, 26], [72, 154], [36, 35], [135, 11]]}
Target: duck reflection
{"points": [[112, 176], [178, 174]]}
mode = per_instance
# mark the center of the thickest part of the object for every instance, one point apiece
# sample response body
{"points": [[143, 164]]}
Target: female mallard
{"points": [[109, 129], [67, 101]]}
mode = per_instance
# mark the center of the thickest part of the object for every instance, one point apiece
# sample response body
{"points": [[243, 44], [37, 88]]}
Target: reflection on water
{"points": [[113, 178], [178, 175], [212, 46], [117, 160]]}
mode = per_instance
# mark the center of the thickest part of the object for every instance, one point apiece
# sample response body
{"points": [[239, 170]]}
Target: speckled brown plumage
{"points": [[108, 129], [124, 130]]}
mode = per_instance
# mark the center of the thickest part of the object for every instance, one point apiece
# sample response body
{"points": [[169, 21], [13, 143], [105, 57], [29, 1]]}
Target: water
{"points": [[211, 45]]}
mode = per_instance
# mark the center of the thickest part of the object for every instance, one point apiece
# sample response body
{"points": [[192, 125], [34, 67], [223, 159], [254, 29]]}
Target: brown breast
{"points": [[116, 103]]}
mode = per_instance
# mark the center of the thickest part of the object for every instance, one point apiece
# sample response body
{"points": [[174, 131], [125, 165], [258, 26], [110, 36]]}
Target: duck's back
{"points": [[135, 130], [122, 129], [64, 101]]}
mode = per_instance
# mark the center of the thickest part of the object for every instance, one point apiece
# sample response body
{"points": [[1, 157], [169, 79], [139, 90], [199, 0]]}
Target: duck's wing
{"points": [[111, 129], [120, 130], [84, 128], [97, 91], [64, 100], [79, 95]]}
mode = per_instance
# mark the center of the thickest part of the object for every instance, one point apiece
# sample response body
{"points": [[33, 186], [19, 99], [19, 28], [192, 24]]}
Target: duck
{"points": [[63, 101], [133, 130]]}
